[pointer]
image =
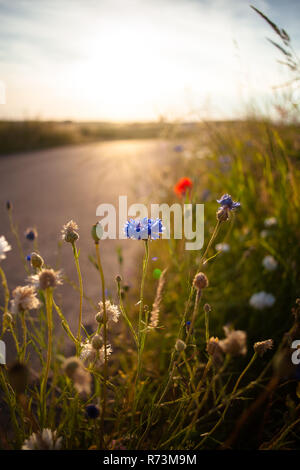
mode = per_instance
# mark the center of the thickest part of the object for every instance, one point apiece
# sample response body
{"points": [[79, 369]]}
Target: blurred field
{"points": [[24, 136], [256, 162]]}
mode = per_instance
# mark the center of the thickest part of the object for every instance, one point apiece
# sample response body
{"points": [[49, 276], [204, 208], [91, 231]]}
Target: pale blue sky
{"points": [[139, 59]]}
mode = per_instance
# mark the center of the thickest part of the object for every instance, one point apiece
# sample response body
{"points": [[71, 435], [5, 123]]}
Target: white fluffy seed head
{"points": [[112, 312], [24, 298]]}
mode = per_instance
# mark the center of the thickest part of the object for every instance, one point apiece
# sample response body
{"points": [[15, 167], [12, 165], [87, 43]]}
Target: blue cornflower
{"points": [[28, 257], [143, 229], [31, 234], [178, 148], [227, 202], [92, 411]]}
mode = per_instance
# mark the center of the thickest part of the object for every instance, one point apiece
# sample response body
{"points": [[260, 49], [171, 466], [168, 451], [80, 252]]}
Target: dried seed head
{"points": [[207, 308], [200, 281], [212, 345], [69, 233], [46, 278], [180, 345], [262, 346], [154, 315], [37, 261], [23, 298], [235, 342], [213, 349], [118, 279]]}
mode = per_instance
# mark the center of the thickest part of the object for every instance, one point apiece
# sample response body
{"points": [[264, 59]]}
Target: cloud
{"points": [[122, 59]]}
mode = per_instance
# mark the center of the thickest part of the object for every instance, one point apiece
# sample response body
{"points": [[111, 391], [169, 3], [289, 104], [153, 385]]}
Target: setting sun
{"points": [[129, 60]]}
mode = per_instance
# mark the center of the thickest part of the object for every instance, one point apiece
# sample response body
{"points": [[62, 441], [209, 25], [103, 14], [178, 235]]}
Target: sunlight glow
{"points": [[134, 60]]}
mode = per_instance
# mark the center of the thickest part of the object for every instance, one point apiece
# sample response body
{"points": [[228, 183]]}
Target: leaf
{"points": [[286, 53]]}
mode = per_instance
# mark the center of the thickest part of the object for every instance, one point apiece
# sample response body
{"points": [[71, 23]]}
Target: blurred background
{"points": [[138, 60]]}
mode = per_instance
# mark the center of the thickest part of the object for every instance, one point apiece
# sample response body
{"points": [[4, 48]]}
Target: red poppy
{"points": [[182, 186]]}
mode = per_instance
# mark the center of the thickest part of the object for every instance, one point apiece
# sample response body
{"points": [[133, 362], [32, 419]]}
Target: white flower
{"points": [[222, 247], [262, 300], [94, 357], [45, 440], [4, 247], [270, 263], [270, 222], [24, 298], [112, 312], [264, 233]]}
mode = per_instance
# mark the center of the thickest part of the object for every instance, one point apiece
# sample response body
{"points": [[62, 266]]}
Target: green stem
{"points": [[6, 289], [123, 311], [49, 301], [76, 257], [105, 375], [141, 310], [12, 405], [65, 324], [24, 328], [215, 232], [191, 327], [16, 234], [228, 403]]}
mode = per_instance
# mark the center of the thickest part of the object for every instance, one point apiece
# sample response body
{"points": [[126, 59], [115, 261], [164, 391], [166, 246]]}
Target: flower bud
{"points": [[223, 214], [262, 346], [180, 345], [97, 232], [71, 365], [97, 342], [99, 317], [200, 281], [207, 308], [7, 318], [37, 261]]}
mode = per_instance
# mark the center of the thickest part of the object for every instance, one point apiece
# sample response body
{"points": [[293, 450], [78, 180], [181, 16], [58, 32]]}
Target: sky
{"points": [[130, 60]]}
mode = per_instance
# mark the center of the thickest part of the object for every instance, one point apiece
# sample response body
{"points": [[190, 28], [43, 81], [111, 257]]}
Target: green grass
{"points": [[29, 135], [192, 401]]}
